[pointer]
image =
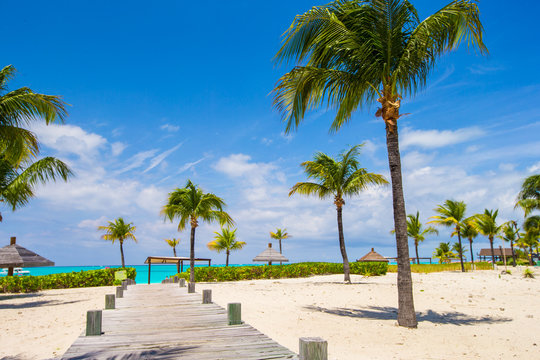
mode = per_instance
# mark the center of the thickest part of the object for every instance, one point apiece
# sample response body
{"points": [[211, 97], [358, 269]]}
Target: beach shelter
{"points": [[14, 255], [373, 256], [270, 255]]}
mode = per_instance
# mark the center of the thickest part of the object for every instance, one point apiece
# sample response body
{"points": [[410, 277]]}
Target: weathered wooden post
{"points": [[124, 285], [191, 288], [175, 279], [182, 282], [207, 296], [313, 348], [93, 322], [119, 292], [234, 313], [109, 301]]}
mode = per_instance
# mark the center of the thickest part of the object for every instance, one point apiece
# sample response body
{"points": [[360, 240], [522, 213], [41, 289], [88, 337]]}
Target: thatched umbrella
{"points": [[15, 255], [270, 255], [373, 256]]}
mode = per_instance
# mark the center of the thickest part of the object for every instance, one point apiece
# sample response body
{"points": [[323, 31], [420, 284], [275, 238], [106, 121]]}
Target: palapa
{"points": [[372, 256], [14, 255], [270, 255]]}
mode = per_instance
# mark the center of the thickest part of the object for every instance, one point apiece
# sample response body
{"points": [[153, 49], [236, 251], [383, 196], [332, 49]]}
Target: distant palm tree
{"points": [[225, 241], [510, 233], [350, 54], [19, 108], [119, 230], [188, 205], [337, 179], [173, 243], [459, 250], [452, 213], [529, 196], [486, 224], [531, 225], [280, 235], [443, 253], [415, 231], [468, 231]]}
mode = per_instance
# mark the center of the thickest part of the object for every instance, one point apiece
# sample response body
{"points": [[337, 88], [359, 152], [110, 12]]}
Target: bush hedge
{"points": [[90, 278], [234, 273], [429, 268]]}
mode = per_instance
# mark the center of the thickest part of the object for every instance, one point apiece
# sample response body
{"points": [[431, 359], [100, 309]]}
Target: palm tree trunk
{"points": [[513, 253], [461, 250], [122, 253], [281, 262], [530, 257], [346, 269], [406, 313], [227, 260], [492, 252], [472, 255], [174, 250], [417, 258], [192, 256]]}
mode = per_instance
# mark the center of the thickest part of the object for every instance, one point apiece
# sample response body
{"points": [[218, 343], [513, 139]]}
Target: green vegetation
{"points": [[280, 235], [468, 231], [430, 268], [445, 254], [119, 230], [211, 274], [225, 241], [173, 243], [416, 232], [90, 278], [486, 224], [337, 179], [529, 196], [510, 233], [527, 273]]}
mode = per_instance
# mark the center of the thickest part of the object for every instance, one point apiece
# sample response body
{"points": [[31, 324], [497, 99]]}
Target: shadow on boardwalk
{"points": [[175, 352], [390, 313]]}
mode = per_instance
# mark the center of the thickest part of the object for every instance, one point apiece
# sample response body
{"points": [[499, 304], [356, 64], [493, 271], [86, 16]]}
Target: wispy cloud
{"points": [[137, 160], [170, 128], [117, 148], [482, 69], [432, 139], [158, 159], [449, 71], [189, 165]]}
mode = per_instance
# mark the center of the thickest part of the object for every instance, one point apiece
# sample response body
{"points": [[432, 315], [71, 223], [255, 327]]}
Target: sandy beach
{"points": [[476, 315]]}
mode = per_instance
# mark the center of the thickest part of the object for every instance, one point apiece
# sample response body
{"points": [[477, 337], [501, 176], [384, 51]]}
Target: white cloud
{"points": [[534, 168], [189, 165], [438, 138], [92, 223], [169, 128], [137, 160], [158, 159], [117, 148], [483, 69]]}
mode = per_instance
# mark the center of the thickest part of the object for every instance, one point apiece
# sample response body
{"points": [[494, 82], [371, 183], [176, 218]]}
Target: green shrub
{"points": [[527, 273], [510, 262], [429, 268], [234, 273], [90, 278]]}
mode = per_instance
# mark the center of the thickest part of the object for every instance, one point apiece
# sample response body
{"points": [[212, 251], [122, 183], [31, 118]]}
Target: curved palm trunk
{"points": [[122, 252], [531, 255], [492, 252], [417, 258], [192, 256], [174, 250], [461, 250], [227, 260], [346, 269], [513, 253], [281, 262], [406, 313], [472, 256]]}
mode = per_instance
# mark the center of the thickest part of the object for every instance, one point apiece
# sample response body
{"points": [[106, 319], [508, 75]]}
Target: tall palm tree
{"points": [[452, 213], [225, 241], [188, 205], [280, 235], [19, 108], [531, 225], [529, 196], [337, 179], [468, 231], [173, 243], [353, 53], [510, 233], [119, 230], [443, 253], [416, 232], [486, 224]]}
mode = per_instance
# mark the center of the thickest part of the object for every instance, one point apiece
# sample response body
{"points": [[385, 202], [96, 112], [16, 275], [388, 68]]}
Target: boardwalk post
{"points": [[119, 292], [234, 313], [124, 285], [191, 288], [93, 322], [109, 301], [175, 278], [207, 296], [313, 348], [182, 282]]}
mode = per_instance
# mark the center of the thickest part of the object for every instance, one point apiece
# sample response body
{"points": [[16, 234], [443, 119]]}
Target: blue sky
{"points": [[165, 91]]}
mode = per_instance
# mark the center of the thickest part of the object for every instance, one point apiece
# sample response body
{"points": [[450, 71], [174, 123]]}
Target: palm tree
{"points": [[468, 231], [21, 107], [119, 230], [529, 196], [338, 179], [188, 205], [443, 253], [510, 233], [353, 53], [486, 224], [531, 225], [173, 243], [452, 213], [280, 235], [226, 240], [415, 231], [459, 250]]}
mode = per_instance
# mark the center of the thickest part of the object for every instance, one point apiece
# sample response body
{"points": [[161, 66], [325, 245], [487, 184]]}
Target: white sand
{"points": [[461, 316]]}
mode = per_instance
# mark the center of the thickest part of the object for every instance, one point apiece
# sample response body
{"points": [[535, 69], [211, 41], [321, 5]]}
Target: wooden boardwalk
{"points": [[163, 321]]}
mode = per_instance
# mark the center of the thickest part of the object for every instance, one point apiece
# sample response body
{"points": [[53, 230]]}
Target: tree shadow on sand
{"points": [[390, 313], [34, 304]]}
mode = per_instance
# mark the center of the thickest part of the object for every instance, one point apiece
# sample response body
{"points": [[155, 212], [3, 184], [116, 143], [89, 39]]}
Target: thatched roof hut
{"points": [[270, 255], [373, 256], [14, 255]]}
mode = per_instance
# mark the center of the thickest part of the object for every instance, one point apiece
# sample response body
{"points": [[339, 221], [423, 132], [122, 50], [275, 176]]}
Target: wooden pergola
{"points": [[179, 261]]}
